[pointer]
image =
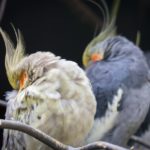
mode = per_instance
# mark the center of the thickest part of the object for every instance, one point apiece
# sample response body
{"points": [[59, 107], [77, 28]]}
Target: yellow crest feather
{"points": [[13, 55], [108, 30]]}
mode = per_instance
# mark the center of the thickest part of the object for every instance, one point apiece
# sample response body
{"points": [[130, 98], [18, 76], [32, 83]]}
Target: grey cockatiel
{"points": [[116, 66], [51, 94]]}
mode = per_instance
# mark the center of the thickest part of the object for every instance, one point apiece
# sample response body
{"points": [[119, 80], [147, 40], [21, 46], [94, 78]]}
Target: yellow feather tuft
{"points": [[13, 55], [108, 30], [138, 38]]}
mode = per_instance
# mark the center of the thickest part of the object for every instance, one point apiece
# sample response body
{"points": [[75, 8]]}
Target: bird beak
{"points": [[97, 57], [23, 80]]}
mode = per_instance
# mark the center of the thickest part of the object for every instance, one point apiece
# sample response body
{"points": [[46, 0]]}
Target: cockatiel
{"points": [[116, 66], [50, 94]]}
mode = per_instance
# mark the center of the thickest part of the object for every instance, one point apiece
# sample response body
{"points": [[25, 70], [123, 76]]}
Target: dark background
{"points": [[54, 25]]}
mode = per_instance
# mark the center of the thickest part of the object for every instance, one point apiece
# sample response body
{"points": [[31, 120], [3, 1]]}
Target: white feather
{"points": [[104, 124]]}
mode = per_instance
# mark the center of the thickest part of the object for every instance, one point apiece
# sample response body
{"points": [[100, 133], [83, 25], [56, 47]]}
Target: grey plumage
{"points": [[147, 55], [123, 66], [114, 64]]}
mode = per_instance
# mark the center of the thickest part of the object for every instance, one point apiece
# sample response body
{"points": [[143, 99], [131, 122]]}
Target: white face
{"points": [[97, 52], [34, 67]]}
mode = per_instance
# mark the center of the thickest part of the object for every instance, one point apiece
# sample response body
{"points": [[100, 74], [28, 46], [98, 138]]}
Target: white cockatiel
{"points": [[50, 94]]}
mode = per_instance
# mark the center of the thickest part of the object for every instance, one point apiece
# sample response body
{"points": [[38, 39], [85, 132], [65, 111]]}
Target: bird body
{"points": [[125, 69], [119, 75], [51, 94]]}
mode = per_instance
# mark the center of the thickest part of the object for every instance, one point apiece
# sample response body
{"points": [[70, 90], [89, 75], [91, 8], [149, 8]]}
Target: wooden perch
{"points": [[140, 141], [3, 103], [24, 128], [16, 125], [100, 145], [51, 142]]}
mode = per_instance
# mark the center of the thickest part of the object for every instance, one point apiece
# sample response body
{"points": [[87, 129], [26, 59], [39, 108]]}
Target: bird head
{"points": [[23, 70], [94, 52]]}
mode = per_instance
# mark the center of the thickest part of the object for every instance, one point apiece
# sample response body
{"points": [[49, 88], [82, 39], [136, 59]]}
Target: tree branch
{"points": [[140, 141], [16, 125], [51, 142], [100, 145], [3, 103], [26, 129]]}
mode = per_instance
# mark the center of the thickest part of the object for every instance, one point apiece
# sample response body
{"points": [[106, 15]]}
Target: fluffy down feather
{"points": [[56, 98]]}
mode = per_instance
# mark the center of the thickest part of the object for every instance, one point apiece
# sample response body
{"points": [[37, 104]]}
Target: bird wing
{"points": [[135, 106], [134, 101]]}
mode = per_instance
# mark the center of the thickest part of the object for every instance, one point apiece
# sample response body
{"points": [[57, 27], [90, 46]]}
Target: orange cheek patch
{"points": [[96, 57], [22, 80]]}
